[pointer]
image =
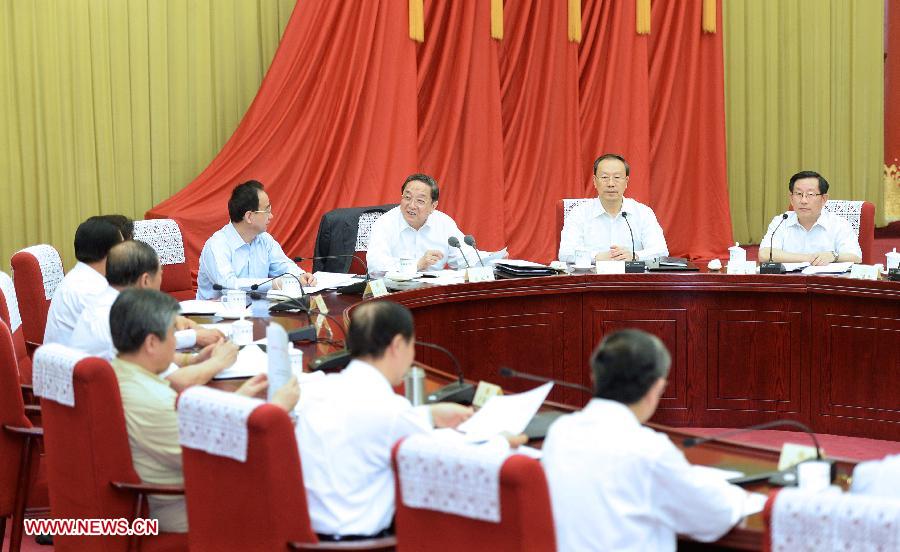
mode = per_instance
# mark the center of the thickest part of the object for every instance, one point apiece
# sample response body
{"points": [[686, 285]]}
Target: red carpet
{"points": [[853, 448]]}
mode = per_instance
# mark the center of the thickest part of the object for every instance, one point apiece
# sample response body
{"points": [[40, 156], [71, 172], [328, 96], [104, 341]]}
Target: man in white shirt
{"points": [[878, 477], [417, 231], [143, 331], [348, 422], [134, 264], [601, 226], [809, 233], [617, 485], [242, 253], [93, 240]]}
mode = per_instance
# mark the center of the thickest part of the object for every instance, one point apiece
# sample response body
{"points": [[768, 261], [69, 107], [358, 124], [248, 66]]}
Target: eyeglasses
{"points": [[617, 178], [807, 195], [418, 202], [267, 210]]}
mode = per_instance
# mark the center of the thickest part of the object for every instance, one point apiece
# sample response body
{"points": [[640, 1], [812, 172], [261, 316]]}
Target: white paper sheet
{"points": [[489, 258], [279, 361], [200, 306], [719, 473], [328, 280], [510, 413], [522, 263], [444, 277], [830, 268], [795, 267], [251, 360]]}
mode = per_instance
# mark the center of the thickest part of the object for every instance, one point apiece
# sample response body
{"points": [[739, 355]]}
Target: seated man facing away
{"points": [[93, 240], [810, 233], [878, 477], [348, 422], [417, 231], [143, 331], [134, 264], [242, 253], [616, 485], [600, 227]]}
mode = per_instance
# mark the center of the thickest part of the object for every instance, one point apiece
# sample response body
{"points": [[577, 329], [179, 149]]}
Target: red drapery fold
{"points": [[351, 105]]}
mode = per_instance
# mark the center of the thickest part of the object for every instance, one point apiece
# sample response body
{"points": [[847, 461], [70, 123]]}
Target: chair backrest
{"points": [[807, 520], [86, 444], [861, 216], [526, 519], [164, 236], [9, 313], [563, 209], [263, 506], [12, 412], [37, 270], [345, 231]]}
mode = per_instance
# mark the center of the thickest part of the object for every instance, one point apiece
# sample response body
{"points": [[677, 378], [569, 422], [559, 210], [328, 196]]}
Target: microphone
{"points": [[458, 391], [253, 295], [782, 478], [301, 303], [470, 241], [510, 373], [454, 242], [633, 266], [354, 288], [772, 267]]}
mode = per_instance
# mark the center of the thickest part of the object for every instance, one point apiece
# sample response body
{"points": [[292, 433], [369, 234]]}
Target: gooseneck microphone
{"points": [[459, 391], [771, 267], [633, 266], [694, 441], [253, 295], [510, 373], [452, 241], [470, 241]]}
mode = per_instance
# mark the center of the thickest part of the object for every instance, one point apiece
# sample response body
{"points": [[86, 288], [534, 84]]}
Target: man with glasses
{"points": [[600, 227], [417, 231], [242, 253], [809, 233]]}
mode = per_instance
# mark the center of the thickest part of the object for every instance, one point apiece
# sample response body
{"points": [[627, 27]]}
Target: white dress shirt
{"points": [[149, 405], [346, 426], [72, 295], [231, 262], [616, 485], [590, 227], [93, 336], [392, 238], [829, 233], [878, 477]]}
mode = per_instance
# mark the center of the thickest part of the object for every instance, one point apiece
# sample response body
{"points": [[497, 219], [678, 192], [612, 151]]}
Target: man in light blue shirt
{"points": [[242, 253]]}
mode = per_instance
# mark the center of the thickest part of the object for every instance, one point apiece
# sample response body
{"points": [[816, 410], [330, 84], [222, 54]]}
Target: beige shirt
{"points": [[149, 404]]}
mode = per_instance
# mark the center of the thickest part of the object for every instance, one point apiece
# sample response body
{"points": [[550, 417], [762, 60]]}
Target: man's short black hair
{"points": [[823, 184], [128, 261], [374, 325], [615, 156], [626, 364], [424, 178], [137, 313], [94, 238], [244, 197], [123, 223]]}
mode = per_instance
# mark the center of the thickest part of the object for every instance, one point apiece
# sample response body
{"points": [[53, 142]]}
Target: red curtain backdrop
{"points": [[892, 84], [351, 105]]}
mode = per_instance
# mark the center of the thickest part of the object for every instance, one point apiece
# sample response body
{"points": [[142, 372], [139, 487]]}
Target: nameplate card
{"points": [[741, 267], [610, 267], [375, 288], [485, 391], [319, 304], [865, 272], [320, 322], [792, 454], [480, 274]]}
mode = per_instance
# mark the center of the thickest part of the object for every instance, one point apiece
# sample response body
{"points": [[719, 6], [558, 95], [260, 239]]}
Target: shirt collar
{"points": [[233, 239], [597, 209], [824, 220], [140, 371], [405, 225], [610, 412]]}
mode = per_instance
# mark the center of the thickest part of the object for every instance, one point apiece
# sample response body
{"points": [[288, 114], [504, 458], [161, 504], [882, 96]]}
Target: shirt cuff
{"points": [[185, 339]]}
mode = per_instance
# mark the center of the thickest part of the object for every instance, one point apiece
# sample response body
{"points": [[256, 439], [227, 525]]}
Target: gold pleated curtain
{"points": [[804, 89], [112, 106]]}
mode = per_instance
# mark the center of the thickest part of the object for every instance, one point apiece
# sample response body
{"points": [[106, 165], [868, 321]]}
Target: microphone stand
{"points": [[773, 267], [458, 391], [470, 241], [633, 266], [452, 241]]}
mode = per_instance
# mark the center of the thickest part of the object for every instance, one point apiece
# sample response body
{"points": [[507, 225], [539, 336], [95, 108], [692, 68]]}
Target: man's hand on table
{"points": [[449, 414]]}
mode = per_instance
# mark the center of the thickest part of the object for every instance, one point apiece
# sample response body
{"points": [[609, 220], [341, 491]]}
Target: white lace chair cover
{"points": [[365, 227], [52, 373], [850, 210], [51, 266], [12, 303], [451, 477], [164, 236], [569, 204], [215, 421], [804, 520]]}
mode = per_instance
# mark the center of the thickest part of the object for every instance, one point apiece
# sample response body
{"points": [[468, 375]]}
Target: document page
{"points": [[251, 360], [200, 306], [510, 413], [830, 268]]}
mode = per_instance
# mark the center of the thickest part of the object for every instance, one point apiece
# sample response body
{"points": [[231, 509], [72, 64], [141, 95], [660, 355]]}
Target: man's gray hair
{"points": [[138, 313]]}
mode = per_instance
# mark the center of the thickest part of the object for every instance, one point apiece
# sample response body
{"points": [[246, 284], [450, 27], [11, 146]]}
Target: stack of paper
{"points": [[505, 413]]}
